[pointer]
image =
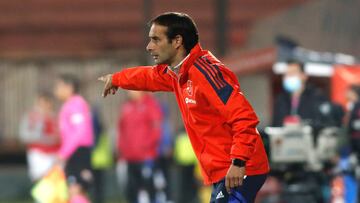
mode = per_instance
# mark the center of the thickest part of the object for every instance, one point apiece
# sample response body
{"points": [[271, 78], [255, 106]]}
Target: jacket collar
{"points": [[195, 53]]}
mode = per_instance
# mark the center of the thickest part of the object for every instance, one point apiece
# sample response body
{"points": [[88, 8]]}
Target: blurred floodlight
{"points": [[279, 68], [312, 69], [319, 69], [308, 55], [344, 59]]}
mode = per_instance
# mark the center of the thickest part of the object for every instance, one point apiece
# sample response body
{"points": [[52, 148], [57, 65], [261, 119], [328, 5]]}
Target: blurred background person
{"points": [[299, 100], [77, 137], [139, 128], [165, 159], [353, 119], [39, 132], [186, 162], [302, 104], [101, 156], [352, 123]]}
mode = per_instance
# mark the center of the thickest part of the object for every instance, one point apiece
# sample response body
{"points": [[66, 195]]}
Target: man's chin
{"points": [[157, 62]]}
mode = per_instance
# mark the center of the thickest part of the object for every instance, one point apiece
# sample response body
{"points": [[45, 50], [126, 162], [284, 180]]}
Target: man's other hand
{"points": [[234, 177], [108, 87]]}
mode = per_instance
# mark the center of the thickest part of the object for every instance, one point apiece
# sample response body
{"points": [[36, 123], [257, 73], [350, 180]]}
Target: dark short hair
{"points": [[297, 62], [71, 80], [179, 24]]}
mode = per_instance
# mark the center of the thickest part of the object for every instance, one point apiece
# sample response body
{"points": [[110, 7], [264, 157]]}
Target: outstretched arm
{"points": [[145, 78]]}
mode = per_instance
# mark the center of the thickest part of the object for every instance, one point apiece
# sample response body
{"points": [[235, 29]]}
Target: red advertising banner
{"points": [[343, 77]]}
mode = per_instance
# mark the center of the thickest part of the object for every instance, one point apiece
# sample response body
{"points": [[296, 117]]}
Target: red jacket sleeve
{"points": [[145, 78], [236, 110]]}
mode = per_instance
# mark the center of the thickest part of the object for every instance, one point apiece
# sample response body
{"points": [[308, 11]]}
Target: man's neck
{"points": [[176, 64], [177, 67]]}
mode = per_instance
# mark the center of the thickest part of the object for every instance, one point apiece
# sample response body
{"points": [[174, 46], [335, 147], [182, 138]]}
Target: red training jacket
{"points": [[140, 129], [48, 129], [219, 120]]}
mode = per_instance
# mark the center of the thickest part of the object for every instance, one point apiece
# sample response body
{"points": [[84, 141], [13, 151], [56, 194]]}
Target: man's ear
{"points": [[177, 41]]}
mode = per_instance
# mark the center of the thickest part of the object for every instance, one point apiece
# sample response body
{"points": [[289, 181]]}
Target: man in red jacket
{"points": [[139, 138], [220, 122]]}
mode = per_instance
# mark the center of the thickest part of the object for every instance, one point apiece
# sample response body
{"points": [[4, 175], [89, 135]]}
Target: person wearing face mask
{"points": [[299, 101]]}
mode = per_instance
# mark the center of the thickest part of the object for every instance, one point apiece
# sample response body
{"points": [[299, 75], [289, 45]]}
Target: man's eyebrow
{"points": [[154, 37]]}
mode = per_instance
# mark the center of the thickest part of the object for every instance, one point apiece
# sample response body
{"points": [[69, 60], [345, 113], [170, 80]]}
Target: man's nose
{"points": [[149, 47]]}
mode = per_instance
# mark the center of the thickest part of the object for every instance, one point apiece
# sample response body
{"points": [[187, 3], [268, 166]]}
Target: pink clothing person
{"points": [[75, 126], [76, 133], [79, 199]]}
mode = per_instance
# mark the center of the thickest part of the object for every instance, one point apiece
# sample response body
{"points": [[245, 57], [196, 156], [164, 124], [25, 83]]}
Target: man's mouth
{"points": [[155, 56]]}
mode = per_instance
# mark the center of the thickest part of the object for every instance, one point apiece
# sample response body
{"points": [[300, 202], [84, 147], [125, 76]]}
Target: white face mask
{"points": [[292, 84]]}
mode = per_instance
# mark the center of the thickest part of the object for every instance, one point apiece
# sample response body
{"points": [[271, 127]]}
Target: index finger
{"points": [[102, 78]]}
